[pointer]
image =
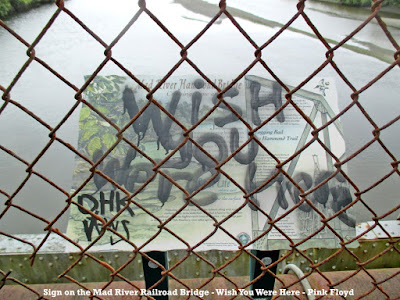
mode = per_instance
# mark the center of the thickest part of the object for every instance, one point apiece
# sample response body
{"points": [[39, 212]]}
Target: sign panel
{"points": [[188, 135]]}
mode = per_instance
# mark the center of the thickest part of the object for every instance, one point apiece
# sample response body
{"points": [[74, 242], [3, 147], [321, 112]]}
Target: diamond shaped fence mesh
{"points": [[116, 269]]}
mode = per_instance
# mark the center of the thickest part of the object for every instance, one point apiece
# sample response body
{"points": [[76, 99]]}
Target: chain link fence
{"points": [[115, 274]]}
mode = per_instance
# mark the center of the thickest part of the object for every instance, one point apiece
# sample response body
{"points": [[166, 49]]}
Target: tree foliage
{"points": [[8, 7], [5, 8]]}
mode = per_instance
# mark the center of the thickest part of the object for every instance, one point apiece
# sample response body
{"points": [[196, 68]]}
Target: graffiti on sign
{"points": [[193, 137]]}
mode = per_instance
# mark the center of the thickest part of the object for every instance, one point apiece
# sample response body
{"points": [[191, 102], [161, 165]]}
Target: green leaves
{"points": [[89, 129], [95, 132], [5, 8], [85, 113], [94, 144], [109, 140], [103, 110], [10, 7], [104, 89]]}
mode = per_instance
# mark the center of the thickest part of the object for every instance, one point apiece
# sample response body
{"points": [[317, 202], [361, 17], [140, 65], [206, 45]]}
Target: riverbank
{"points": [[9, 8], [362, 3], [389, 13], [205, 8]]}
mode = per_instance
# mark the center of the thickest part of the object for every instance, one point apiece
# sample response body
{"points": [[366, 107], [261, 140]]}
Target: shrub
{"points": [[5, 8], [20, 5]]}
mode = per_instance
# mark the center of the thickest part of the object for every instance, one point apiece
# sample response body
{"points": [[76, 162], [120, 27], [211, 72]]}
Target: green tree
{"points": [[5, 7]]}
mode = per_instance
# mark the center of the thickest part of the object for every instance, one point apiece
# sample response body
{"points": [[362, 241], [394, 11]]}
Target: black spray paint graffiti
{"points": [[336, 188], [153, 114], [129, 176], [132, 176], [102, 207]]}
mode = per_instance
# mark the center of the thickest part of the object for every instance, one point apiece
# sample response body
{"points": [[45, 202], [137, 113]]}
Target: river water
{"points": [[145, 49]]}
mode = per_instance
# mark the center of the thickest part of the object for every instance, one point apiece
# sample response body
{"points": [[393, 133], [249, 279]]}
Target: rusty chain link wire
{"points": [[115, 273]]}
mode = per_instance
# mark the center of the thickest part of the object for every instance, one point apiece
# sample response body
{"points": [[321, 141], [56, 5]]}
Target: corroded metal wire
{"points": [[219, 225]]}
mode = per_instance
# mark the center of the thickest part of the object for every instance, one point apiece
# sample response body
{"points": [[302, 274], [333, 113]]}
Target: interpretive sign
{"points": [[184, 147]]}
